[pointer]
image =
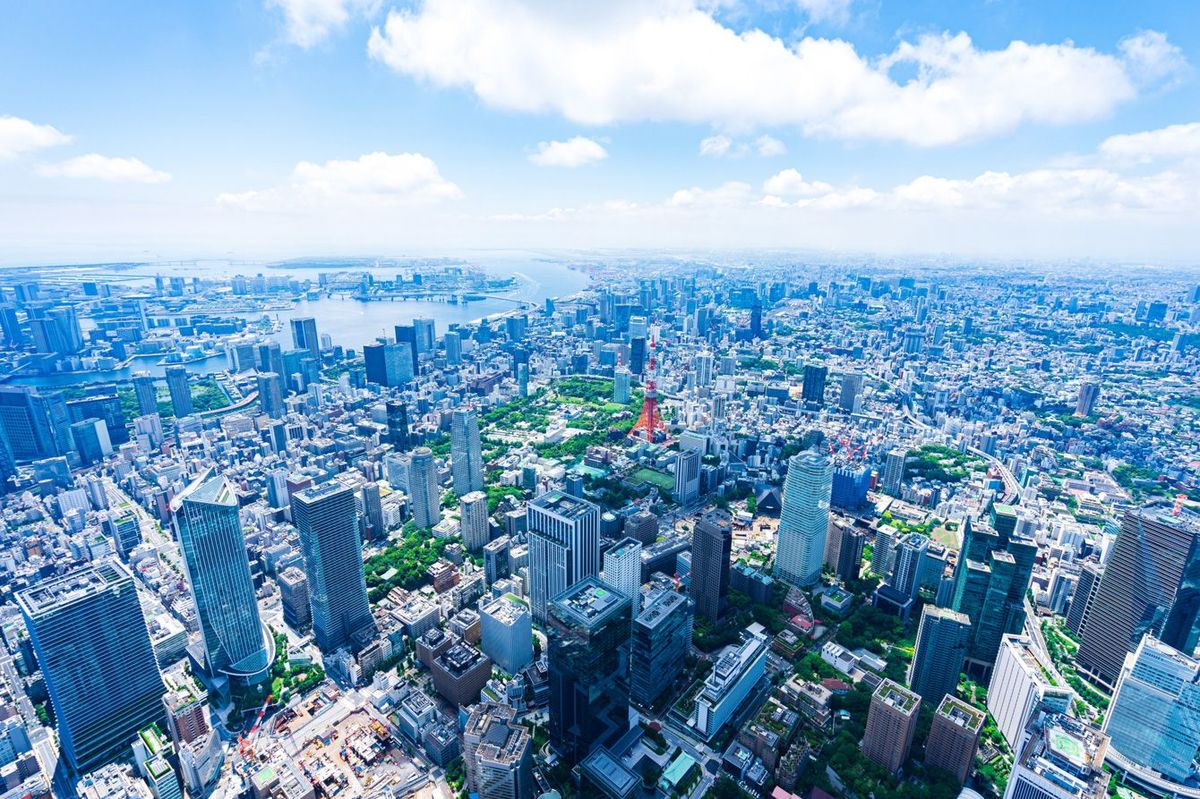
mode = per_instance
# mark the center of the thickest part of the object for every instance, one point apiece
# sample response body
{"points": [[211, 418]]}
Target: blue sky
{"points": [[286, 127]]}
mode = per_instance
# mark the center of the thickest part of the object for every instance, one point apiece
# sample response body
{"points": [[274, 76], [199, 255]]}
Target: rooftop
{"points": [[607, 771], [894, 695], [660, 608], [590, 602], [564, 504], [505, 610], [960, 713], [324, 490], [460, 659], [624, 547], [59, 592]]}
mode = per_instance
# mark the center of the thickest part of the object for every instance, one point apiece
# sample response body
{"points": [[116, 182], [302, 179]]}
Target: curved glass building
{"points": [[236, 643]]}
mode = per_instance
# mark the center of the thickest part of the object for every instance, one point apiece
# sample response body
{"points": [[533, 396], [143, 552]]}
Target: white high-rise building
{"points": [[474, 520], [564, 546], [687, 477], [623, 570], [893, 471], [703, 363], [423, 492], [1059, 757], [1021, 682], [621, 379], [466, 451], [506, 631], [804, 522]]}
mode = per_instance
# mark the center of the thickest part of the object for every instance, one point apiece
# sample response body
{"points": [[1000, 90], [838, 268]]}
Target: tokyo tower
{"points": [[650, 425]]}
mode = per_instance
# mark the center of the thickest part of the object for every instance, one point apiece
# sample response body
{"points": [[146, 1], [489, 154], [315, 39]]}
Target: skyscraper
{"points": [[1181, 629], [90, 638], [849, 400], [954, 737], [621, 378], [388, 364], [372, 500], [1154, 719], [425, 331], [293, 594], [270, 394], [623, 570], [1022, 681], [304, 336], [899, 592], [891, 722], [181, 392], [844, 547], [236, 644], [1059, 757], [659, 645], [146, 392], [506, 632], [466, 451], [813, 388], [687, 477], [497, 754], [126, 533], [473, 516], [804, 521], [102, 406], [940, 648], [1088, 394], [1084, 596], [990, 581], [327, 519], [453, 342], [893, 471], [269, 358], [589, 705], [712, 541], [397, 424], [1137, 589], [407, 334], [703, 364], [423, 492], [30, 421], [564, 546]]}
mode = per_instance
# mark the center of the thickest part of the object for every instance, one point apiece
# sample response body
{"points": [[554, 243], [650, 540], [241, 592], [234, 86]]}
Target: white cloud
{"points": [[1173, 141], [790, 183], [375, 179], [672, 60], [727, 194], [1051, 191], [19, 136], [102, 167], [573, 152], [721, 146], [716, 146], [835, 11], [769, 146], [1151, 59], [310, 22]]}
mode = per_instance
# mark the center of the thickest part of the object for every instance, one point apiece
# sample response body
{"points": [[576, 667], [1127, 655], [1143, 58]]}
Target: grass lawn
{"points": [[665, 482]]}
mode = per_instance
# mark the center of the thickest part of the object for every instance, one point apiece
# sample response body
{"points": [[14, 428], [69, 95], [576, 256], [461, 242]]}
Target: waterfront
{"points": [[350, 323]]}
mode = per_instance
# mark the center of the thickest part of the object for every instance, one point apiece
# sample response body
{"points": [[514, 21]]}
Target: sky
{"points": [[279, 128]]}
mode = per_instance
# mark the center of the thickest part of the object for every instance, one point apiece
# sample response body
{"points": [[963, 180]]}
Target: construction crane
{"points": [[248, 737]]}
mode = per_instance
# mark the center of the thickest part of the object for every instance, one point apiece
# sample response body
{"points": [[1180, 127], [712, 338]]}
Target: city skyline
{"points": [[652, 399]]}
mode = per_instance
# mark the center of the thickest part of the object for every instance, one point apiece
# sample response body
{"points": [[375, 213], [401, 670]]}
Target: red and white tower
{"points": [[650, 425]]}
